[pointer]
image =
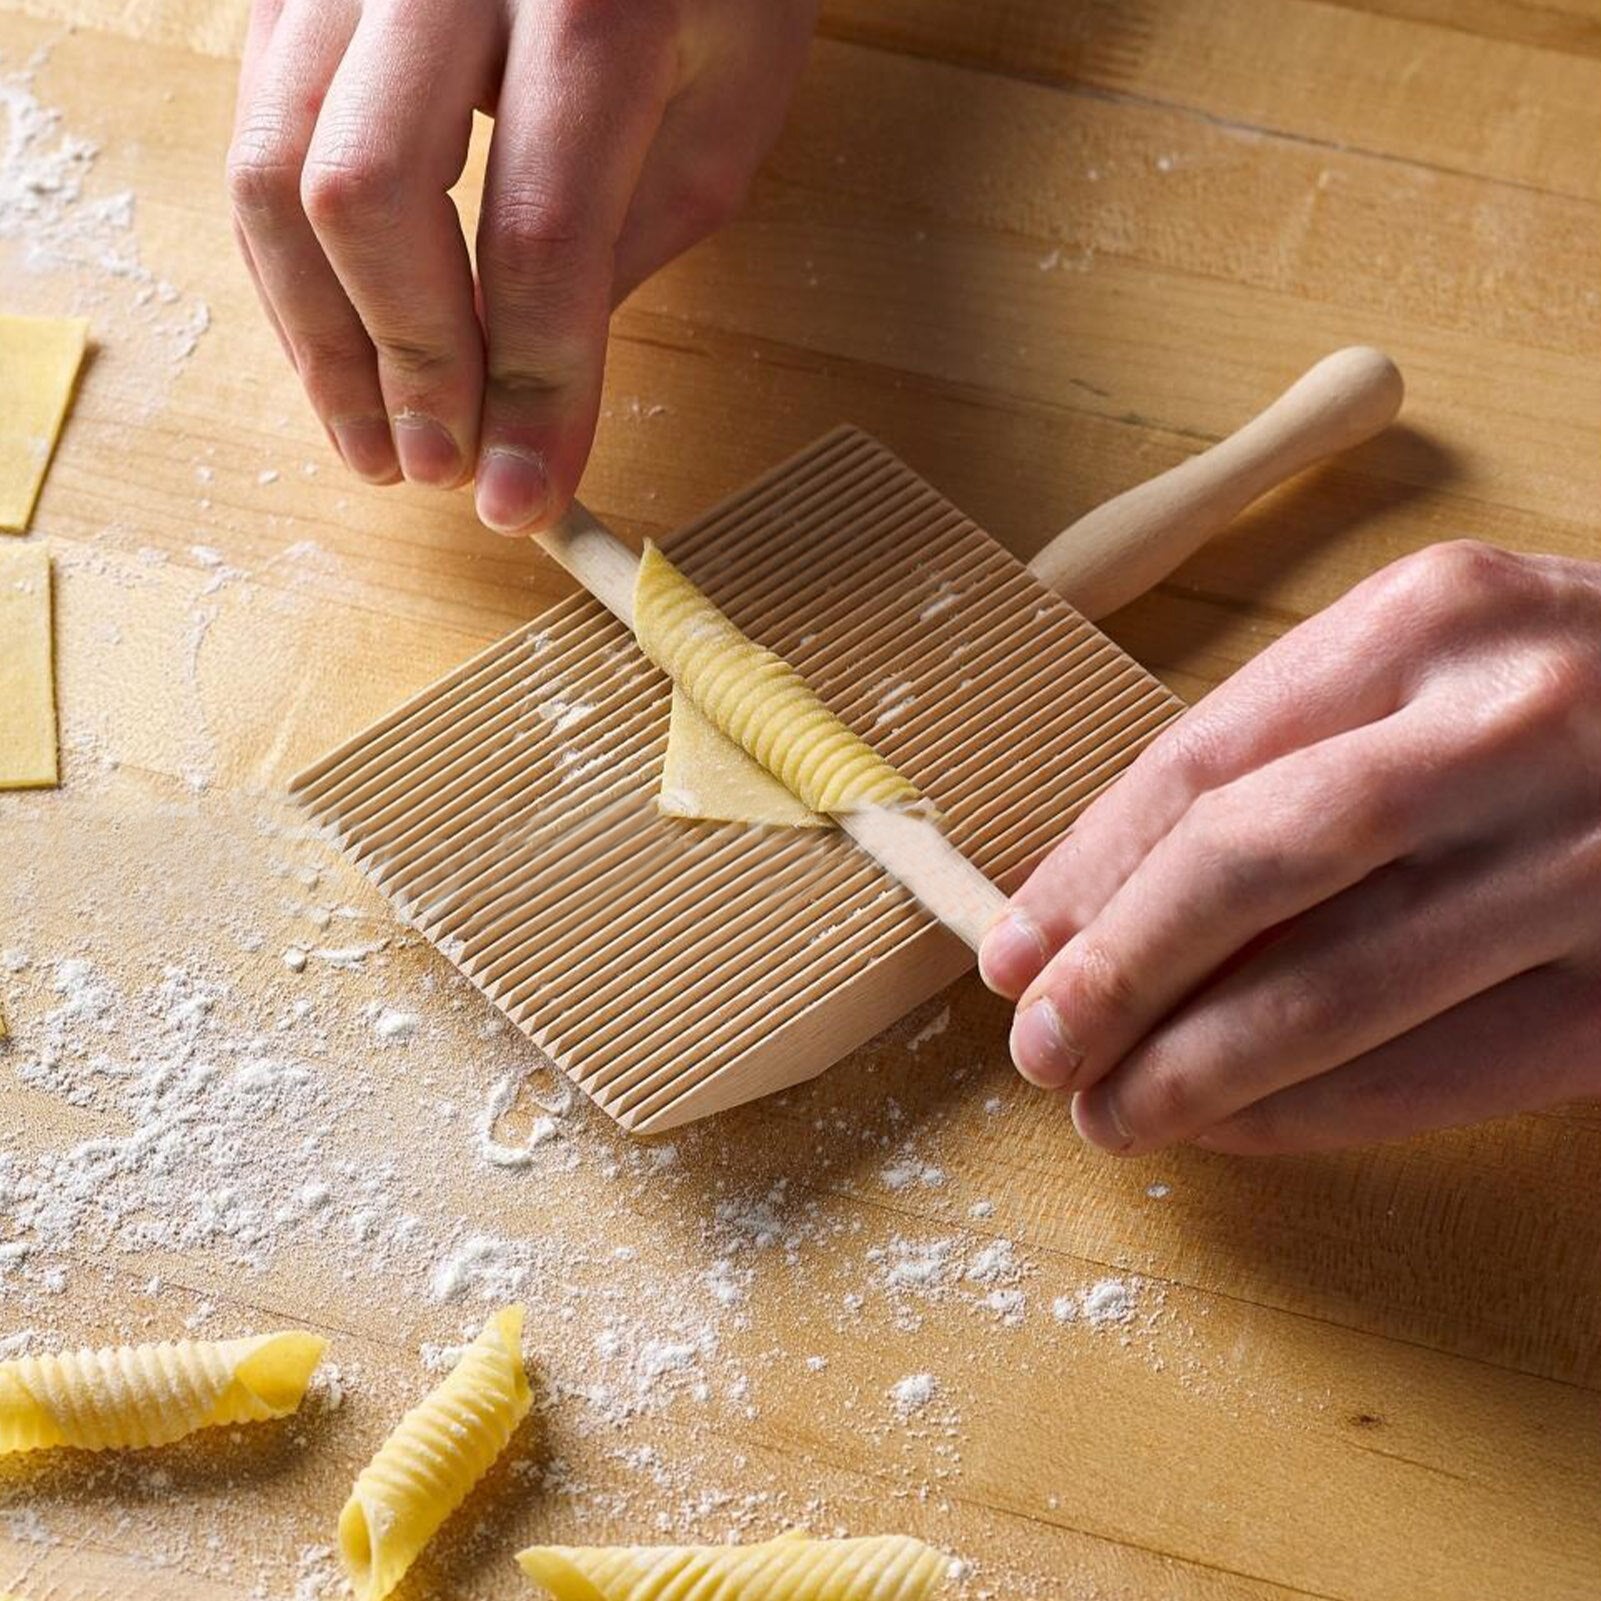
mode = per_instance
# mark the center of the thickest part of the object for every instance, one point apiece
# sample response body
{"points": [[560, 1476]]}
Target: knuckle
{"points": [[1554, 682], [1165, 1104], [317, 352], [1300, 1005], [524, 229], [1255, 1130], [1239, 861], [350, 192], [710, 198], [1540, 694], [1365, 820], [1585, 863], [416, 360], [1095, 983], [1192, 751], [612, 14], [1383, 1098], [1455, 577], [263, 179], [335, 373]]}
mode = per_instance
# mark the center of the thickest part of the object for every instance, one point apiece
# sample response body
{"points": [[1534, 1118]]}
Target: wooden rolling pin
{"points": [[1103, 561]]}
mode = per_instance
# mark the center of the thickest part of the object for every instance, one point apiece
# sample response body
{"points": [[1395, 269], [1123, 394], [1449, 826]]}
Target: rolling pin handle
{"points": [[1125, 547]]}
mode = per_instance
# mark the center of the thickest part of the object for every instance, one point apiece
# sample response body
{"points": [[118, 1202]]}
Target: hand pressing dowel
{"points": [[1353, 895], [624, 132]]}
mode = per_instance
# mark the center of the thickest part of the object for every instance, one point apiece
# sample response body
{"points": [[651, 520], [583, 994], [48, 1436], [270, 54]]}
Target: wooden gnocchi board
{"points": [[1362, 1376], [673, 971]]}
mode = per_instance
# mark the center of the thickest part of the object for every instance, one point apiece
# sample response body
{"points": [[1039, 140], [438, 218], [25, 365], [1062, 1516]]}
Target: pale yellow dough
{"points": [[27, 672], [39, 360], [437, 1453], [887, 1567], [764, 748], [706, 776], [145, 1395]]}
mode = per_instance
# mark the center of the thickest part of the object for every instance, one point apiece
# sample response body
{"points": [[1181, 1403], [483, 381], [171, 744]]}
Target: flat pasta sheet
{"points": [[39, 360], [706, 776], [27, 671]]}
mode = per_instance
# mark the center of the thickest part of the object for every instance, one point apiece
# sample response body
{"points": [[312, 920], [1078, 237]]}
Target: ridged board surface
{"points": [[675, 969]]}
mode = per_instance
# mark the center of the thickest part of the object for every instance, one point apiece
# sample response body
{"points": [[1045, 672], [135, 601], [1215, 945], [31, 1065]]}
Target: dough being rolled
{"points": [[762, 705], [706, 776], [885, 1567]]}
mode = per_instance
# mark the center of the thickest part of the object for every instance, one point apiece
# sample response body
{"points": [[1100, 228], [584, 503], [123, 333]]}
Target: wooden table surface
{"points": [[1044, 250]]}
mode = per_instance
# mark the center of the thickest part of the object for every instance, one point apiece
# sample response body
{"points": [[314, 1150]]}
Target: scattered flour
{"points": [[562, 713], [394, 1027], [907, 1171], [541, 1131], [1107, 1302], [895, 700], [64, 230], [910, 1395], [931, 1030]]}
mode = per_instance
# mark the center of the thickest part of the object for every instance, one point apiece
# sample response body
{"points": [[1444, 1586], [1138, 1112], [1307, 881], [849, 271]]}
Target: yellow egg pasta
{"points": [[39, 357], [437, 1452], [758, 700], [885, 1567], [143, 1395]]}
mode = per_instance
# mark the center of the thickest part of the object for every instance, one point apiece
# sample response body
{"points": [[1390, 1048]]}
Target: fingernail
{"points": [[368, 450], [1099, 1122], [1041, 1048], [512, 488], [428, 455], [1011, 955]]}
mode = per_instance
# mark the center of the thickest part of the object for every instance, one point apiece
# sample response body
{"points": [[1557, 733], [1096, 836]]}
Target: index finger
{"points": [[1337, 671], [391, 138], [585, 91]]}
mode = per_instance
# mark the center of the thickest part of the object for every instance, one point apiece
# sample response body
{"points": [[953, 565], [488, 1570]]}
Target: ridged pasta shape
{"points": [[756, 698], [143, 1395], [438, 1451], [885, 1567]]}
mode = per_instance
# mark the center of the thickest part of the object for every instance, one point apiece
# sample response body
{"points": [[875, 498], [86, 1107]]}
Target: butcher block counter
{"points": [[1043, 250]]}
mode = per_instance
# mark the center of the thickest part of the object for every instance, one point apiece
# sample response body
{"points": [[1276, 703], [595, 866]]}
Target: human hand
{"points": [[1352, 895], [625, 131]]}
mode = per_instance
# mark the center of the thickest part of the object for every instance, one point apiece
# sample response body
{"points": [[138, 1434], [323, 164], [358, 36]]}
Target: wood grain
{"points": [[1044, 251]]}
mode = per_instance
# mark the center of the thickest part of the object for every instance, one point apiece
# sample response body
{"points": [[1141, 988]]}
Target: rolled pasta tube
{"points": [[885, 1567], [144, 1395], [757, 699], [438, 1451]]}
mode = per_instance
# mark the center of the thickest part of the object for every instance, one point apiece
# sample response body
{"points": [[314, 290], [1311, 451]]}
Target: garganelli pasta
{"points": [[143, 1395], [886, 1567], [437, 1452]]}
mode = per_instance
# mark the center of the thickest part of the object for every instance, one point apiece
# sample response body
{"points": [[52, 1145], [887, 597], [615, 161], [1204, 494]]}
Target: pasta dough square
{"points": [[27, 671], [39, 360], [707, 777]]}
